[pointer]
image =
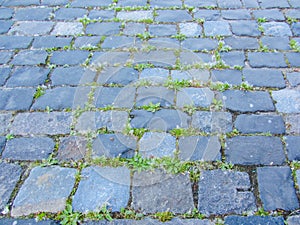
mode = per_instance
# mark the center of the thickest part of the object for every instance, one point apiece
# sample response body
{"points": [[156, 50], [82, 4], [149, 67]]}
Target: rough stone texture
{"points": [[72, 148], [193, 148], [276, 188], [234, 58], [279, 43], [293, 59], [72, 57], [2, 143], [199, 44], [31, 14], [114, 145], [276, 29], [293, 220], [132, 28], [173, 16], [247, 101], [118, 75], [116, 42], [67, 28], [34, 28], [190, 29], [293, 124], [155, 75], [10, 98], [266, 59], [26, 57], [155, 95], [222, 192], [238, 43], [100, 187], [292, 147], [254, 220], [36, 148], [254, 150], [45, 190], [4, 58], [9, 177], [51, 42], [134, 15], [213, 28], [4, 122], [52, 123], [260, 124], [14, 42], [105, 28], [298, 177], [5, 221], [211, 122], [245, 28], [294, 78], [271, 78], [69, 14], [233, 77], [151, 192], [287, 101], [198, 97]]}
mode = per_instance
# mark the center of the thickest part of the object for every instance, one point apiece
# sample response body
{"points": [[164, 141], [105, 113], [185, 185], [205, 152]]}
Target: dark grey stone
{"points": [[116, 59], [4, 74], [199, 44], [42, 123], [233, 77], [9, 221], [72, 76], [293, 220], [28, 77], [254, 220], [114, 145], [2, 143], [269, 14], [31, 28], [115, 96], [74, 57], [194, 148], [234, 58], [14, 42], [238, 43], [118, 75], [162, 29], [132, 28], [229, 4], [279, 43], [260, 124], [87, 42], [70, 13], [151, 192], [164, 119], [90, 3], [158, 145], [51, 42], [72, 148], [245, 28], [173, 16], [255, 150], [105, 28], [20, 2], [240, 14], [100, 187], [155, 75], [132, 3], [9, 177], [296, 28], [155, 95], [31, 149], [135, 15], [247, 101], [163, 43], [207, 15], [198, 97], [278, 29], [271, 4], [292, 148], [228, 192], [4, 122], [10, 98], [293, 78], [6, 13], [188, 57], [5, 57], [62, 98], [101, 14], [293, 58], [30, 57], [298, 177], [211, 122], [67, 28], [287, 100], [5, 26], [292, 122], [264, 78], [45, 190], [276, 188], [214, 28], [159, 58], [28, 14], [116, 42]]}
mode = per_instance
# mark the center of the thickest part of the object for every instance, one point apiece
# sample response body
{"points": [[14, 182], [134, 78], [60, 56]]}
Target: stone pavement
{"points": [[150, 112]]}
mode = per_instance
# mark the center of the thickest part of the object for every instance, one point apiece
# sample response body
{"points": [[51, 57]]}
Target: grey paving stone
{"points": [[5, 26], [276, 188], [118, 75], [135, 15], [14, 42], [172, 16], [298, 177], [193, 148], [91, 3], [287, 100], [29, 14], [293, 13], [102, 186], [155, 95], [271, 4], [162, 29], [45, 190], [233, 77], [188, 57], [86, 41], [247, 101], [154, 144], [51, 42], [266, 59], [151, 192], [198, 97], [293, 78], [2, 143], [155, 75], [207, 15], [239, 14], [159, 58], [293, 123], [72, 148], [245, 28], [6, 13], [199, 75], [74, 75], [67, 28], [260, 124], [264, 78], [163, 43], [214, 28], [161, 4], [132, 28], [114, 59], [164, 119], [254, 220], [254, 150], [231, 4], [104, 28], [4, 122], [199, 44], [190, 29], [292, 147], [10, 175], [201, 3], [228, 192], [30, 57], [234, 58], [278, 29], [20, 2], [293, 220], [279, 43], [10, 221], [5, 57], [52, 123], [10, 98], [72, 57], [115, 42], [27, 77], [237, 43], [293, 59], [211, 122], [62, 98], [114, 145], [4, 74], [250, 3], [66, 14], [112, 120], [296, 28], [115, 96], [31, 149], [54, 2], [295, 3], [101, 14], [269, 14], [132, 2], [33, 28]]}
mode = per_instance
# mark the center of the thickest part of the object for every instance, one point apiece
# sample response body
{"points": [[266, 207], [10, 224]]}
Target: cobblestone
{"points": [[287, 101], [292, 143], [10, 98], [252, 220], [72, 148]]}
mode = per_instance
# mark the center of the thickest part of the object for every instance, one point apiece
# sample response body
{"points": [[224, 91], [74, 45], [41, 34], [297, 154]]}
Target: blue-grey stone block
{"points": [[229, 4], [198, 44], [29, 14], [245, 28], [214, 28], [6, 13], [207, 15], [269, 14], [198, 97], [234, 58], [51, 42], [292, 148], [172, 16], [5, 57], [233, 77], [4, 122], [29, 57], [71, 58], [294, 78], [5, 26], [266, 59], [155, 95], [254, 220], [66, 14], [279, 43], [237, 14], [287, 100], [31, 28], [162, 29], [4, 74], [277, 29], [16, 99], [105, 28], [241, 43]]}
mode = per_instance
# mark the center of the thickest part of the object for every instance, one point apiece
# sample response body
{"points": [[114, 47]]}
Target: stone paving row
{"points": [[160, 107]]}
